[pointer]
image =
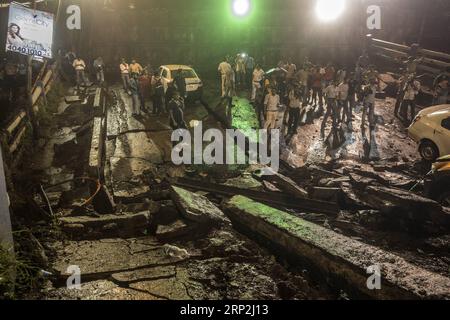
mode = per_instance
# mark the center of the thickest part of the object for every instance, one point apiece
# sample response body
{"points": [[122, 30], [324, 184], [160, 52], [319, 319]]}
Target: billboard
{"points": [[30, 32]]}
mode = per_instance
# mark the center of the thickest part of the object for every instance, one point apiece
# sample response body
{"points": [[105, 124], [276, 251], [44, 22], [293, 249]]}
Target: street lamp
{"points": [[328, 10], [241, 8]]}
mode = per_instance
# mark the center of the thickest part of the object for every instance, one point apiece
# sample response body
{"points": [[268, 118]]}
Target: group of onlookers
{"points": [[141, 83], [334, 91], [236, 73]]}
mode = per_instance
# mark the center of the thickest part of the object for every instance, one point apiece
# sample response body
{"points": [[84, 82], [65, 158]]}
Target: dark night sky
{"points": [[203, 29]]}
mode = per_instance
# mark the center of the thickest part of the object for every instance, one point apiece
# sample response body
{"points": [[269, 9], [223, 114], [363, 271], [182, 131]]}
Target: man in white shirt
{"points": [[409, 100], [343, 103], [225, 71], [331, 95], [125, 74], [295, 104], [271, 103], [291, 70], [302, 76], [80, 67], [369, 104], [258, 77]]}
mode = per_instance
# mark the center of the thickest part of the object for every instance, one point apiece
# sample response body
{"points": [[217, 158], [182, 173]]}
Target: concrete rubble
{"points": [[155, 234]]}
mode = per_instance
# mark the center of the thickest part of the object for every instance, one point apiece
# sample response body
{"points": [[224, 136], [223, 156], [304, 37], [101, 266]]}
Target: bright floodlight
{"points": [[328, 10], [241, 7]]}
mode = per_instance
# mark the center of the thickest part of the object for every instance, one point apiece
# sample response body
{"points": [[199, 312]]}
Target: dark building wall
{"points": [[201, 32]]}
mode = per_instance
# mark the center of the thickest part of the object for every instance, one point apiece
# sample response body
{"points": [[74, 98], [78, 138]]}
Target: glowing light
{"points": [[328, 10], [241, 7]]}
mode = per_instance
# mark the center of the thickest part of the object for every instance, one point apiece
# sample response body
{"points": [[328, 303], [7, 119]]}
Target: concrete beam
{"points": [[97, 144], [106, 226], [98, 106], [337, 258]]}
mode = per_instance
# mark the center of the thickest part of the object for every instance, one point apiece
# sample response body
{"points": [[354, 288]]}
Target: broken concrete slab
{"points": [[138, 146], [100, 258], [175, 230], [383, 176], [244, 182], [284, 183], [406, 205], [72, 99], [127, 177], [197, 208], [325, 194], [98, 103], [97, 145], [349, 198], [338, 258], [106, 226]]}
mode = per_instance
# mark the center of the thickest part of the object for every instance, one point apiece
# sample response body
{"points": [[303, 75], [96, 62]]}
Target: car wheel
{"points": [[428, 151], [444, 199]]}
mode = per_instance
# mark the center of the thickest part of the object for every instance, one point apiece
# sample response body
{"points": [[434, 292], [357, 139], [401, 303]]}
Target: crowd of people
{"points": [[336, 92], [140, 82]]}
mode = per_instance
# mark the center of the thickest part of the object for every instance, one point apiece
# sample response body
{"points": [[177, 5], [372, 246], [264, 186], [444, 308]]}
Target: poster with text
{"points": [[30, 32]]}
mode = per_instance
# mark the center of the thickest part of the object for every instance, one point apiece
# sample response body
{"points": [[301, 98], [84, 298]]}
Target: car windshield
{"points": [[187, 73]]}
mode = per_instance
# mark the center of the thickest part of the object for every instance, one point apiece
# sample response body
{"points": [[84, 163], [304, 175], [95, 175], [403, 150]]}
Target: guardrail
{"points": [[15, 130], [432, 61]]}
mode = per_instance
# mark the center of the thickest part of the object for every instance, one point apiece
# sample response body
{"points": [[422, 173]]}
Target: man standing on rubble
{"points": [[258, 77], [225, 71], [135, 68], [99, 67], [369, 93], [180, 83], [134, 91], [158, 94], [125, 74], [409, 100], [302, 77], [440, 87], [176, 107], [343, 102], [331, 95], [295, 104], [316, 82], [400, 95], [80, 67], [271, 103]]}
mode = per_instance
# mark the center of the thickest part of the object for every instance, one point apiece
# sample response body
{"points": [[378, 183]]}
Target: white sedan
{"points": [[194, 85], [431, 130]]}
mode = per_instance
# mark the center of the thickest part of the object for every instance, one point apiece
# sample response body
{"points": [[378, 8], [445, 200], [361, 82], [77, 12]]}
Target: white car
{"points": [[194, 85], [431, 130]]}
